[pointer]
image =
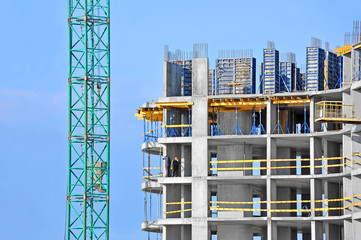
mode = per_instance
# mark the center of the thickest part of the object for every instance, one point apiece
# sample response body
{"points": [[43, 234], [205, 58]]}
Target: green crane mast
{"points": [[89, 118]]}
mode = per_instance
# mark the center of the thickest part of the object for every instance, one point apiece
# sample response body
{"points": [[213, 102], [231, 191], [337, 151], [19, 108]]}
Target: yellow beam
{"points": [[174, 104], [343, 50]]}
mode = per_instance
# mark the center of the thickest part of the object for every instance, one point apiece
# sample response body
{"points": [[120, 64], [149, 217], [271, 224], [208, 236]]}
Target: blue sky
{"points": [[33, 90]]}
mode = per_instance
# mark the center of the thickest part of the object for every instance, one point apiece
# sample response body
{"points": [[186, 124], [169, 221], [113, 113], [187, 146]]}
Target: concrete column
{"points": [[200, 77], [347, 150], [200, 164], [346, 99], [316, 230], [271, 116], [355, 56], [271, 152], [347, 68], [348, 230], [271, 196], [315, 194], [315, 152], [312, 115], [271, 187]]}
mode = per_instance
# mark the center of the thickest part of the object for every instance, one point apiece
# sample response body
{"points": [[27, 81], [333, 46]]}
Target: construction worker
{"points": [[167, 164], [175, 167]]}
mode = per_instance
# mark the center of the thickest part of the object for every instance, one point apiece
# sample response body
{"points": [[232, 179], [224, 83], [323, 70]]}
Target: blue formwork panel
{"points": [[287, 76], [315, 57], [332, 70], [186, 78], [270, 71]]}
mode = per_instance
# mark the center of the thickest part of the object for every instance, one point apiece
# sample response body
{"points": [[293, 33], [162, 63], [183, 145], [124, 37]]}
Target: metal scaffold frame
{"points": [[89, 120]]}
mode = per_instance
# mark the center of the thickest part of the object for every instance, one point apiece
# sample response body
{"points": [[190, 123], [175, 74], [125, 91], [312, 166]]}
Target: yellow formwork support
{"points": [[343, 50]]}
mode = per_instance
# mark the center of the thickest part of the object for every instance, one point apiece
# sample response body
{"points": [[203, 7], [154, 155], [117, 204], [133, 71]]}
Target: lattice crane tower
{"points": [[89, 117]]}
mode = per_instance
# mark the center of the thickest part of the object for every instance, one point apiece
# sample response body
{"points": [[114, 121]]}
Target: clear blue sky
{"points": [[33, 90]]}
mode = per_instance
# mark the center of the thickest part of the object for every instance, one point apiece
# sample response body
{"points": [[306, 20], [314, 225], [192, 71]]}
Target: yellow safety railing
{"points": [[178, 203], [345, 161], [335, 111], [218, 208]]}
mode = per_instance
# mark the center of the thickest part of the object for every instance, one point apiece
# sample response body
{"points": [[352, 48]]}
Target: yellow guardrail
{"points": [[178, 203], [217, 208], [281, 160]]}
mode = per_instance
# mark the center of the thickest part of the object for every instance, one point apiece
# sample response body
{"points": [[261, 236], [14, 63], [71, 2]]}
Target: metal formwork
{"points": [[287, 76], [211, 82], [270, 71], [236, 76], [186, 78], [332, 70], [298, 85], [89, 129], [315, 57]]}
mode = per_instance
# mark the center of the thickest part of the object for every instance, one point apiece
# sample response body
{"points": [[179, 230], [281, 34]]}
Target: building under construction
{"points": [[280, 162]]}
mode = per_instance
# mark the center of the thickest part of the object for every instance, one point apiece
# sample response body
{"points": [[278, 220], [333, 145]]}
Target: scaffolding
{"points": [[153, 191], [335, 112]]}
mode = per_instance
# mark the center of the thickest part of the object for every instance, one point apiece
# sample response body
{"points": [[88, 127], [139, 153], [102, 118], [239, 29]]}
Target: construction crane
{"points": [[89, 129]]}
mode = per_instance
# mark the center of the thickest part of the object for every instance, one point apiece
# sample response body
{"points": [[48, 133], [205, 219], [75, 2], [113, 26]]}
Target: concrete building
{"points": [[253, 166]]}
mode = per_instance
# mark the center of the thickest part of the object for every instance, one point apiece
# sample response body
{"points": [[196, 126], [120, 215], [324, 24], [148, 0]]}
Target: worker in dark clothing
{"points": [[175, 167], [167, 163]]}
